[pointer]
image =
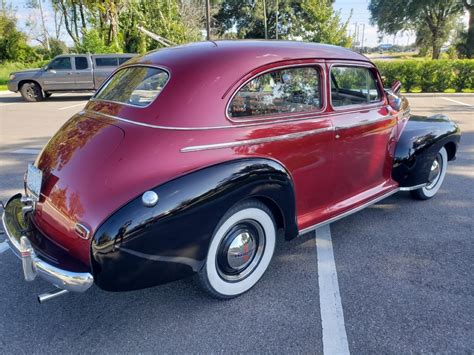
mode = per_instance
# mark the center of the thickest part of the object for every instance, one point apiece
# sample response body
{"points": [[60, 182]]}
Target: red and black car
{"points": [[190, 160]]}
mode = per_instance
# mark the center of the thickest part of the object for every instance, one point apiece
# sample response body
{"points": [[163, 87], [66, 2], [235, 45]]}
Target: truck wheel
{"points": [[240, 251], [436, 177], [31, 92]]}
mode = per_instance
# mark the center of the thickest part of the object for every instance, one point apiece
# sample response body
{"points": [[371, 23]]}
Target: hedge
{"points": [[429, 75]]}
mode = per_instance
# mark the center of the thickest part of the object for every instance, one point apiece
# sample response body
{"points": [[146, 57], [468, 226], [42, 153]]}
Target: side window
{"points": [[353, 86], [62, 63], [281, 91], [106, 62], [123, 60], [81, 63]]}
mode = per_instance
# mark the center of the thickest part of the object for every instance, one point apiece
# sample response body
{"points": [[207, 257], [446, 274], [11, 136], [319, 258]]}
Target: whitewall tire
{"points": [[436, 177], [240, 251]]}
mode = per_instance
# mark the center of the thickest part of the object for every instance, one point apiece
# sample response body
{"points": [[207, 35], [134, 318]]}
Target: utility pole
{"points": [[265, 17], [363, 37], [276, 20], [46, 38], [208, 20], [356, 35]]}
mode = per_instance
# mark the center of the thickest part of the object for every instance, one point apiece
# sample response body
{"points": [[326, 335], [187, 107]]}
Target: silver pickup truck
{"points": [[65, 73]]}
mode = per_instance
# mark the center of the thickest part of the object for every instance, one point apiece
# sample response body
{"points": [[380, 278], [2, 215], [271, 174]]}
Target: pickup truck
{"points": [[65, 73]]}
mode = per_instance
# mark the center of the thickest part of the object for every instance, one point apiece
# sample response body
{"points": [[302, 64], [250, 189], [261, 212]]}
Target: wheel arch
{"points": [[171, 239], [25, 81], [420, 141]]}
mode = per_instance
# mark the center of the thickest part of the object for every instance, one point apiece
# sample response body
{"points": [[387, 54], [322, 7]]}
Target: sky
{"points": [[360, 16]]}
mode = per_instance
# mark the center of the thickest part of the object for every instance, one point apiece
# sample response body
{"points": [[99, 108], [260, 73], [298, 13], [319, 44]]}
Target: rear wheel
{"points": [[31, 92], [240, 251], [435, 178]]}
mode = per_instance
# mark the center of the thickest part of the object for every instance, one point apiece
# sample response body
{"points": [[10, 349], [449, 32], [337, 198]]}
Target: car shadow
{"points": [[53, 98]]}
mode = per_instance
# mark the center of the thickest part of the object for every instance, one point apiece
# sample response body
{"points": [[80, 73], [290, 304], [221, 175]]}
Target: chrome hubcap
{"points": [[240, 251], [435, 172]]}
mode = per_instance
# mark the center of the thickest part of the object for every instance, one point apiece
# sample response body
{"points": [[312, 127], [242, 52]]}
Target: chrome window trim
{"points": [[364, 122], [255, 141], [119, 68], [275, 117], [354, 106], [208, 128]]}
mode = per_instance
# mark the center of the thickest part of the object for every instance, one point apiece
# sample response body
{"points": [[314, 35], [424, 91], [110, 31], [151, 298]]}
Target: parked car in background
{"points": [[66, 73], [170, 171]]}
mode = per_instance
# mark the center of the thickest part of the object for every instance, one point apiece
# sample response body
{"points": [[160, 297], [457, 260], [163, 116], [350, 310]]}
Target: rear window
{"points": [[106, 62], [137, 86]]}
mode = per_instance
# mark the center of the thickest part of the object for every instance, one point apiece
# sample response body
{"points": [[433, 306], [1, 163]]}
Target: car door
{"points": [[84, 79], [298, 134], [364, 133], [59, 75]]}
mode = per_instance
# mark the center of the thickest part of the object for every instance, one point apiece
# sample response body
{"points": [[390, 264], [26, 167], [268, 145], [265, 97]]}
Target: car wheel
{"points": [[240, 251], [435, 178], [31, 92]]}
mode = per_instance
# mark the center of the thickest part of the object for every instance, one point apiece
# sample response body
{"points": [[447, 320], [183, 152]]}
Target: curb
{"points": [[438, 94], [5, 92]]}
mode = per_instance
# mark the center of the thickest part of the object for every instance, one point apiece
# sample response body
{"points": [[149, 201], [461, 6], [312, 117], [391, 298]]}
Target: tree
{"points": [[320, 23], [469, 6], [312, 20], [432, 18], [13, 44]]}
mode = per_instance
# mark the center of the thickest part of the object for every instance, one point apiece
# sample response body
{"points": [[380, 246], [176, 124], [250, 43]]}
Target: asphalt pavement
{"points": [[404, 271]]}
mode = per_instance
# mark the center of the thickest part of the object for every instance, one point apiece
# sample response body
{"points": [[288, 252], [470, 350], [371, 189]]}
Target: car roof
{"points": [[251, 50], [204, 75]]}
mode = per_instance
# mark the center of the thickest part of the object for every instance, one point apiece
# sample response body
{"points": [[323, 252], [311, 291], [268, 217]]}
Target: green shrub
{"points": [[429, 75]]}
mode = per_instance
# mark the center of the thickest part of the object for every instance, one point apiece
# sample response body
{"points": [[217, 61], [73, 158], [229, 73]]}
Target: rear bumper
{"points": [[40, 257]]}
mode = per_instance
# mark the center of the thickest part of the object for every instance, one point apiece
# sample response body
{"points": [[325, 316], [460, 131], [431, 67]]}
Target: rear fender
{"points": [[140, 246]]}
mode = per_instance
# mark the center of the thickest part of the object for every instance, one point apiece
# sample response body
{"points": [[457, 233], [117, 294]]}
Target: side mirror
{"points": [[396, 86], [394, 101]]}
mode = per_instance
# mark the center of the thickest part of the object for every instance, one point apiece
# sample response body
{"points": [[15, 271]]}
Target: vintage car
{"points": [[191, 160]]}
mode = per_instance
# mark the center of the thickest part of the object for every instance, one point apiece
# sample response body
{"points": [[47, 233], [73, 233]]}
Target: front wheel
{"points": [[31, 92], [240, 251], [436, 177]]}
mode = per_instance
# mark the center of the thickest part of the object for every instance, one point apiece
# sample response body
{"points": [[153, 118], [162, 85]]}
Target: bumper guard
{"points": [[13, 220]]}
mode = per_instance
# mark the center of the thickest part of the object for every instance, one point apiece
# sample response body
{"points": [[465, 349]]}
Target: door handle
{"points": [[69, 73]]}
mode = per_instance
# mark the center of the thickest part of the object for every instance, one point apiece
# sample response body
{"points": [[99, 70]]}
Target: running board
{"points": [[348, 213]]}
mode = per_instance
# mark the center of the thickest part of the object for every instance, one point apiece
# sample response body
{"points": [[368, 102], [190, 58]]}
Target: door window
{"points": [[81, 63], [282, 91], [106, 62], [353, 86], [62, 63]]}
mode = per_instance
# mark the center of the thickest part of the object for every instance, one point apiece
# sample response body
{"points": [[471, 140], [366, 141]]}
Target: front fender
{"points": [[420, 141], [139, 246]]}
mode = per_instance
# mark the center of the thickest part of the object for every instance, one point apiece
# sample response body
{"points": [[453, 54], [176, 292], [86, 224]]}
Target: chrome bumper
{"points": [[35, 266]]}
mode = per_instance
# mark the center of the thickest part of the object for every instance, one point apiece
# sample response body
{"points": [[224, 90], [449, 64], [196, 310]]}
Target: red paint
{"points": [[95, 164]]}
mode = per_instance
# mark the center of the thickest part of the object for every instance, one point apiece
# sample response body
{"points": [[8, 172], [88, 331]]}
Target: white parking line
{"points": [[71, 106], [26, 151], [4, 247], [457, 102], [332, 317]]}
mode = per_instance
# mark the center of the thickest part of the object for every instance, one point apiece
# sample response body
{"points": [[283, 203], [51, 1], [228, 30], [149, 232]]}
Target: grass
{"points": [[7, 67]]}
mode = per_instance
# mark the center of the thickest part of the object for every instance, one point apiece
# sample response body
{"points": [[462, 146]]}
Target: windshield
{"points": [[136, 86]]}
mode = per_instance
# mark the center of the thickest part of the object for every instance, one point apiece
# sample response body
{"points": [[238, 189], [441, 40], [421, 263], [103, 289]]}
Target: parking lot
{"points": [[404, 271]]}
